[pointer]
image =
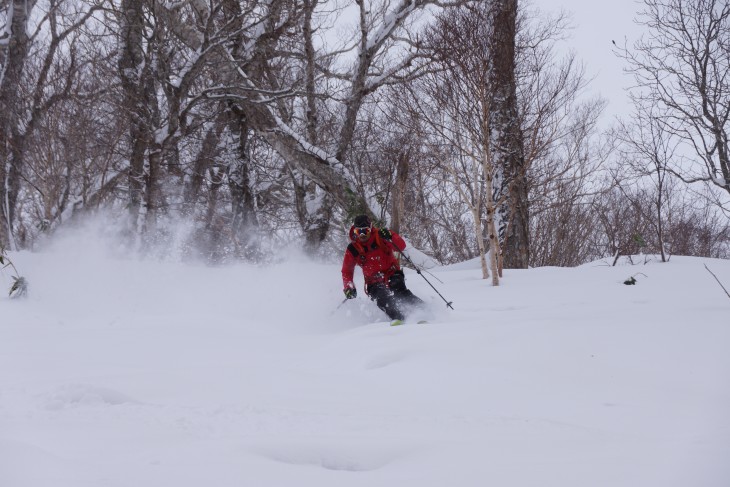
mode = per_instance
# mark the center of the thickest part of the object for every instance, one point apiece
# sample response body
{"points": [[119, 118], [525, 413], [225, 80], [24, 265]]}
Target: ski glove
{"points": [[350, 292], [386, 234]]}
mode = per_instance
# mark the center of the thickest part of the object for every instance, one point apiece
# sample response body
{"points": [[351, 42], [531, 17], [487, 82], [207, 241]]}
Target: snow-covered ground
{"points": [[117, 372]]}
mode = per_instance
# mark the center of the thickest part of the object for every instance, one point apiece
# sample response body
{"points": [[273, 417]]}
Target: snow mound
{"points": [[74, 395], [352, 456]]}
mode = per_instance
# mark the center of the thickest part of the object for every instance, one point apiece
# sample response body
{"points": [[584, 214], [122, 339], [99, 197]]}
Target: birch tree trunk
{"points": [[399, 193], [477, 217], [494, 249], [456, 105]]}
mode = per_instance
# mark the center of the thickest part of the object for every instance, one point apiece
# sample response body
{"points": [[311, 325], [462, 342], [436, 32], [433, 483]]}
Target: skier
{"points": [[372, 249]]}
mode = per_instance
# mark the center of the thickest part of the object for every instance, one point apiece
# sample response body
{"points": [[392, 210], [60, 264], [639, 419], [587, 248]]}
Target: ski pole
{"points": [[418, 270], [339, 305]]}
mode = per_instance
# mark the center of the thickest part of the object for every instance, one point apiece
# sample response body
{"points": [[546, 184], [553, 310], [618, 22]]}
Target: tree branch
{"points": [[718, 281]]}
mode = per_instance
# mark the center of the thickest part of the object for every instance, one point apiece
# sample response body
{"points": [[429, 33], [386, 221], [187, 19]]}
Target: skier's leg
{"points": [[385, 300], [404, 295]]}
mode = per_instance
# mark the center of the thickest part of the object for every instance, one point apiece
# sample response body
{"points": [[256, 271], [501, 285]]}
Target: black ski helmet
{"points": [[362, 221]]}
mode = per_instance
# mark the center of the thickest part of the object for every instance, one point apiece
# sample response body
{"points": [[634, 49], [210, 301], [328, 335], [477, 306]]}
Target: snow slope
{"points": [[118, 372]]}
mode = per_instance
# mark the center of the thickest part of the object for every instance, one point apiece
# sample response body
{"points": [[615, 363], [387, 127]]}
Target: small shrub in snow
{"points": [[20, 284]]}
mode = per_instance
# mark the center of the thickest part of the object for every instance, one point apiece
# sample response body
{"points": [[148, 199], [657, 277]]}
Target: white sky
{"points": [[597, 23]]}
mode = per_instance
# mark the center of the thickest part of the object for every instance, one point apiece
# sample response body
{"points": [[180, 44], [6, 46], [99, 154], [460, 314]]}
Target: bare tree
{"points": [[680, 68], [559, 128], [14, 47], [699, 230], [386, 52], [622, 222], [506, 135], [134, 73], [647, 151], [33, 82], [563, 155], [256, 77], [454, 105]]}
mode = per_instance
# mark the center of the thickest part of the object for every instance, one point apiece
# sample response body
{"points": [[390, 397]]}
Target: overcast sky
{"points": [[597, 24]]}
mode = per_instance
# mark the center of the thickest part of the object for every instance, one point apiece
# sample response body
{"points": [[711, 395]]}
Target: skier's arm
{"points": [[348, 270], [397, 241]]}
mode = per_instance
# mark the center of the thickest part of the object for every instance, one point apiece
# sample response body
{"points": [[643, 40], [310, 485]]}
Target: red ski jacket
{"points": [[375, 256]]}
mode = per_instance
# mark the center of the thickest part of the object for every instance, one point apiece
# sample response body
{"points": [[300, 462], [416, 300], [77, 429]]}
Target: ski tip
{"points": [[401, 322]]}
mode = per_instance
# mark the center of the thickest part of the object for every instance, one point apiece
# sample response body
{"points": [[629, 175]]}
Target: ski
{"points": [[401, 322]]}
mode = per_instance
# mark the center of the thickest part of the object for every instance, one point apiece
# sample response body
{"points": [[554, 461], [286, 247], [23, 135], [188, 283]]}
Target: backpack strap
{"points": [[353, 250], [356, 249], [377, 243]]}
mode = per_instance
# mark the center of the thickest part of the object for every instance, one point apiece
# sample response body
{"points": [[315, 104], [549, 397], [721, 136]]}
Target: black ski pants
{"points": [[394, 298]]}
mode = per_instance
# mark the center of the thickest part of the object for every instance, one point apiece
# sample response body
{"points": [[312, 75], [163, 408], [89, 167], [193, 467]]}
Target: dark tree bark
{"points": [[13, 55], [204, 161], [244, 224], [314, 206], [506, 137], [132, 72]]}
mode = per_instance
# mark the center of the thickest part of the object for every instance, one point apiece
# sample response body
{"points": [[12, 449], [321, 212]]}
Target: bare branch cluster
{"points": [[460, 123]]}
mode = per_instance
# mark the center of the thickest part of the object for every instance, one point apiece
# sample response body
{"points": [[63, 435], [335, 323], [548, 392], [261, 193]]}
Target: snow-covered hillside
{"points": [[117, 372]]}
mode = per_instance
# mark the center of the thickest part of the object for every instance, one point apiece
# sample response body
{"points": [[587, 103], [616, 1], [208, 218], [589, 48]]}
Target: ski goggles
{"points": [[359, 231]]}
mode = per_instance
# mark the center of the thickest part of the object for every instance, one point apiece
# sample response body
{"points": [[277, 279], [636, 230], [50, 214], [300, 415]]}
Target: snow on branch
{"points": [[308, 148], [187, 33], [399, 14], [280, 125], [391, 21], [391, 74], [251, 94]]}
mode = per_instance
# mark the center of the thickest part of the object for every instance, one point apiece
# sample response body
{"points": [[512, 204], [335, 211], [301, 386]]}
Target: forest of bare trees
{"points": [[464, 125]]}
